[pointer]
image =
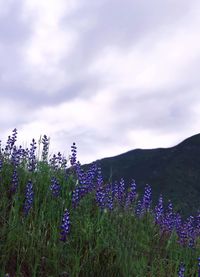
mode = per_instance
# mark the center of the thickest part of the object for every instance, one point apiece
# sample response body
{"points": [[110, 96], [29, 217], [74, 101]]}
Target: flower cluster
{"points": [[55, 187], [28, 197], [32, 157], [45, 142], [65, 226], [73, 158]]}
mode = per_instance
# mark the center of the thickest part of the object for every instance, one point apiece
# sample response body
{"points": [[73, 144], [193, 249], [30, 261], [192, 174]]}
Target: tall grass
{"points": [[55, 224]]}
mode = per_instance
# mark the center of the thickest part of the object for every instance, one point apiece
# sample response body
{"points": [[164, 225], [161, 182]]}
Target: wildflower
{"points": [[131, 194], [190, 231], [55, 187], [28, 197], [32, 157], [73, 158], [146, 201], [168, 221], [65, 226], [121, 192], [15, 181], [15, 156], [45, 142], [181, 270], [138, 209], [159, 210], [100, 194]]}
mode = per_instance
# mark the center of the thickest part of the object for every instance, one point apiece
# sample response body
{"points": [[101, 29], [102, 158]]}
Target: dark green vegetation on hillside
{"points": [[59, 223], [174, 172]]}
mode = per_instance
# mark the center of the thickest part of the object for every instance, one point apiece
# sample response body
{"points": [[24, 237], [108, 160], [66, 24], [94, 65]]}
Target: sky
{"points": [[109, 75]]}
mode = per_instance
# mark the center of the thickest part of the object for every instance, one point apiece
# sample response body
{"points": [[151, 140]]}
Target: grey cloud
{"points": [[171, 111], [13, 31]]}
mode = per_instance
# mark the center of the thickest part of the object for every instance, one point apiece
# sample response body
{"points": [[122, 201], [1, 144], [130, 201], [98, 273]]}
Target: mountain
{"points": [[174, 172]]}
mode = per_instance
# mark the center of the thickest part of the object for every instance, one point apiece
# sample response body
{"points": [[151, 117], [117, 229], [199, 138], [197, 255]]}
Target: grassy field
{"points": [[58, 224]]}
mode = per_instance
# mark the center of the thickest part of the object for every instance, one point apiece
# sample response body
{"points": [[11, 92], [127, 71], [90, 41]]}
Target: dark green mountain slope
{"points": [[174, 172]]}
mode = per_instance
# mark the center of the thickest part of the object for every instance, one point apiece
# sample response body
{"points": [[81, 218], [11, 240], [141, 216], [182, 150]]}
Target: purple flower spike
{"points": [[28, 197], [65, 227], [138, 210], [73, 150], [131, 194], [159, 211], [55, 187], [45, 142], [181, 270], [15, 181], [146, 201], [32, 157]]}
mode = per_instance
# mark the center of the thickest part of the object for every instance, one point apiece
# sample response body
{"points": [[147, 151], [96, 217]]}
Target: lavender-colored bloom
{"points": [[28, 197], [10, 143], [55, 187], [15, 156], [15, 181], [181, 270], [53, 162], [191, 231], [168, 221], [197, 225], [45, 150], [100, 197], [110, 202], [131, 194], [115, 191], [146, 201], [138, 209], [121, 192], [65, 226], [59, 159], [159, 211], [80, 173], [32, 157], [73, 150], [100, 194], [75, 197]]}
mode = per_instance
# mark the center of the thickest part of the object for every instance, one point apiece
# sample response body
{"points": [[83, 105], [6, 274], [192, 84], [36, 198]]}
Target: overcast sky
{"points": [[109, 75]]}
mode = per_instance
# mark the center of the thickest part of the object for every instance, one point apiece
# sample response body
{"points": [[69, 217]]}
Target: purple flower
{"points": [[28, 197], [73, 150], [121, 192], [190, 231], [159, 211], [45, 142], [55, 187], [32, 157], [138, 209], [65, 226], [131, 194], [75, 197], [10, 143], [181, 270], [15, 156], [146, 201], [168, 221], [15, 181], [100, 194], [80, 174]]}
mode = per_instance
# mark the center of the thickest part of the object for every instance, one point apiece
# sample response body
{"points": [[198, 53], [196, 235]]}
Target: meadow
{"points": [[57, 224]]}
